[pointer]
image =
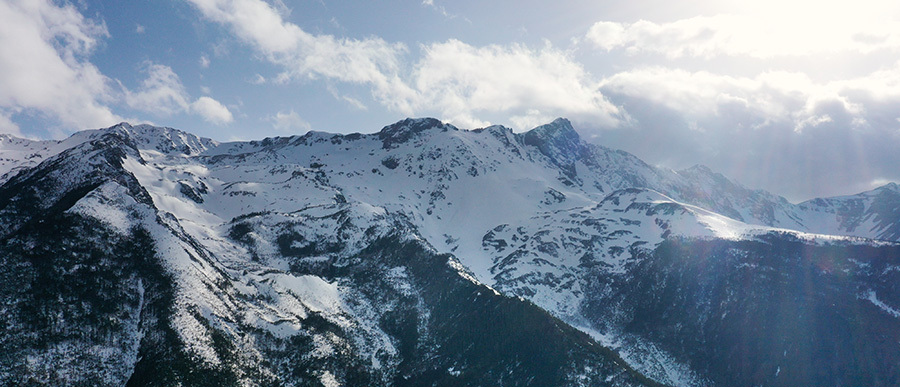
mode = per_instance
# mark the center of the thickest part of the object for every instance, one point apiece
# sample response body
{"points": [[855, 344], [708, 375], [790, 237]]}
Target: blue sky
{"points": [[794, 96]]}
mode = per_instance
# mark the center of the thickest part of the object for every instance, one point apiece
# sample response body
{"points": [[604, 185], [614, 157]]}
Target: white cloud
{"points": [[254, 21], [370, 61], [831, 129], [788, 98], [461, 81], [879, 182], [258, 79], [204, 62], [7, 126], [163, 94], [346, 98], [212, 111], [439, 8], [456, 80], [289, 122], [531, 119], [354, 102], [160, 93], [777, 32], [45, 70], [43, 65], [139, 29]]}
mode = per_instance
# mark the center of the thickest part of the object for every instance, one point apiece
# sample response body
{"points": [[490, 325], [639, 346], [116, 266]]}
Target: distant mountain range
{"points": [[426, 255]]}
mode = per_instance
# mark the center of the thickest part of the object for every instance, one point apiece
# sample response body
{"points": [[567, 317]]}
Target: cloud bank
{"points": [[778, 130], [797, 132]]}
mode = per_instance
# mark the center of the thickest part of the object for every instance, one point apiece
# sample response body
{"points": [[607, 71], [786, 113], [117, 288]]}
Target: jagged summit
{"points": [[165, 140], [9, 138], [710, 178], [698, 168], [560, 142], [404, 130], [495, 130], [558, 134], [890, 186], [557, 127]]}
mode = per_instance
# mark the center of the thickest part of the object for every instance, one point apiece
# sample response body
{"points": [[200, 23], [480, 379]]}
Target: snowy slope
{"points": [[552, 202], [873, 214], [262, 254], [18, 153]]}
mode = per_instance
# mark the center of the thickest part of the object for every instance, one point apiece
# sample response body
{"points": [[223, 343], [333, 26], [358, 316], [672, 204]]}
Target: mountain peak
{"points": [[124, 125], [559, 128], [163, 139], [561, 121], [700, 168], [702, 172], [890, 186], [559, 141], [402, 131], [558, 133]]}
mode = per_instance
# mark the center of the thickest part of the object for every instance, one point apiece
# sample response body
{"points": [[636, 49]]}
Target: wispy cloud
{"points": [[436, 7], [350, 100], [290, 122], [457, 80], [302, 55], [257, 79]]}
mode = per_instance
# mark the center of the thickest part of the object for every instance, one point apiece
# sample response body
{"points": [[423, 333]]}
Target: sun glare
{"points": [[805, 26]]}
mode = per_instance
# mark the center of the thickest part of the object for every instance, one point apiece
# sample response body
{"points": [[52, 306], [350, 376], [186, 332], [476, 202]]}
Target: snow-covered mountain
{"points": [[426, 255]]}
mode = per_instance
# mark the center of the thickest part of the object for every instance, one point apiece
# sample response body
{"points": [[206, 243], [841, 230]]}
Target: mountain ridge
{"points": [[347, 248]]}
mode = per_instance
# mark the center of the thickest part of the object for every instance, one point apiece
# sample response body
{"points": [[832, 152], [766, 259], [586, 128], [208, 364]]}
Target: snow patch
{"points": [[109, 204], [871, 297]]}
